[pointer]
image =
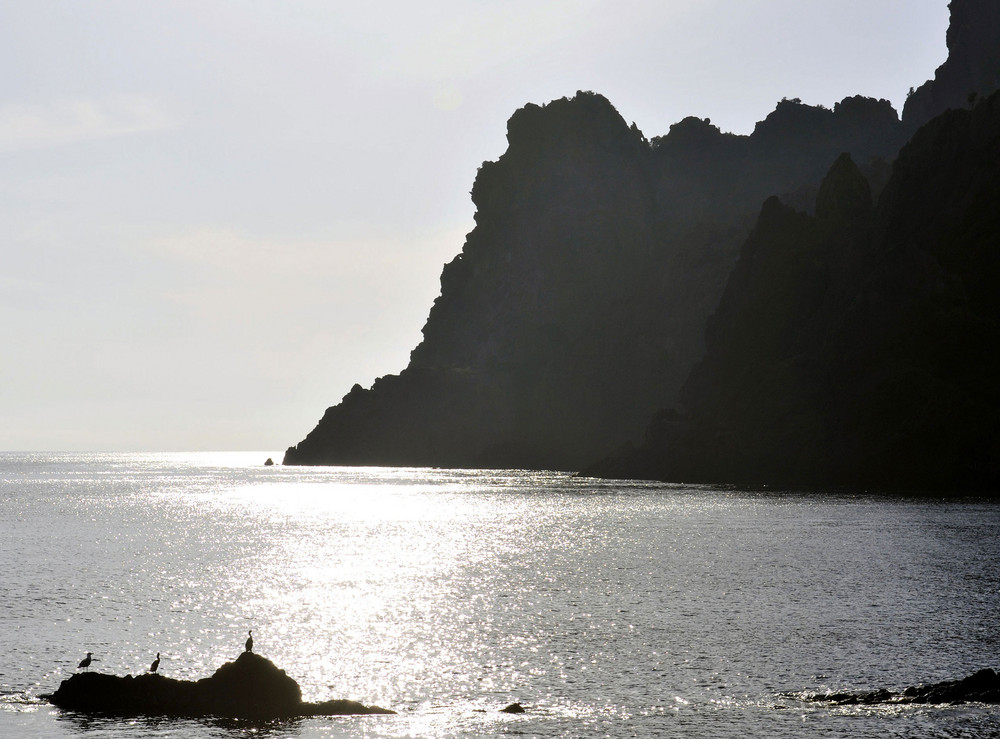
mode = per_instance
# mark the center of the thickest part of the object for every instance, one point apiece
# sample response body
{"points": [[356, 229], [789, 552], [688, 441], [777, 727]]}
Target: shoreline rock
{"points": [[250, 687], [980, 687]]}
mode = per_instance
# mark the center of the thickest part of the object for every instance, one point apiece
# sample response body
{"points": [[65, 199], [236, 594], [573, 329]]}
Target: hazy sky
{"points": [[216, 217]]}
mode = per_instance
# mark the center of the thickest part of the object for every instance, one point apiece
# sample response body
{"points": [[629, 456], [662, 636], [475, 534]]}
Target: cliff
{"points": [[578, 301], [861, 345], [972, 68]]}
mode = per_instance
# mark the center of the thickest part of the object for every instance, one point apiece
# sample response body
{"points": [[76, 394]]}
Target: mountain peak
{"points": [[844, 195]]}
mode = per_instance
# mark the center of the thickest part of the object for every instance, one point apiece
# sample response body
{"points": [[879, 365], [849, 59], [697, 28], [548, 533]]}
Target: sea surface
{"points": [[605, 608]]}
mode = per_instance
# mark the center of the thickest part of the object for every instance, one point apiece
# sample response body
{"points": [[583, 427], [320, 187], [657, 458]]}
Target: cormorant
{"points": [[156, 663], [85, 662], [249, 644]]}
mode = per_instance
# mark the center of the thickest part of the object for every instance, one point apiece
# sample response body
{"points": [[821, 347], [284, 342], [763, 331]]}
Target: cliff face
{"points": [[578, 302], [858, 346], [972, 68]]}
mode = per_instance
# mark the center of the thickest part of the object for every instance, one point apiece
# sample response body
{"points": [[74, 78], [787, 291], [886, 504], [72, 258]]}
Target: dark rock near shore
{"points": [[250, 687], [513, 708], [980, 687]]}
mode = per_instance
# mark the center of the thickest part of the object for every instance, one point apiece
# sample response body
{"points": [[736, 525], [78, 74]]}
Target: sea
{"points": [[605, 608]]}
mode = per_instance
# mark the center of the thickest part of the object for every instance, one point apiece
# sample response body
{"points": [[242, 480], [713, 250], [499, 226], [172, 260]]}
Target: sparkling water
{"points": [[604, 608]]}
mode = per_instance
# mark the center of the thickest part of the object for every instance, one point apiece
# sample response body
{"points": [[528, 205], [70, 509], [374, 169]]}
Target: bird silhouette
{"points": [[156, 663], [85, 662], [249, 643]]}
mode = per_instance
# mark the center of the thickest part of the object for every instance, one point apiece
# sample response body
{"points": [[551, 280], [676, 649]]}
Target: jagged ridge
{"points": [[579, 302], [858, 346]]}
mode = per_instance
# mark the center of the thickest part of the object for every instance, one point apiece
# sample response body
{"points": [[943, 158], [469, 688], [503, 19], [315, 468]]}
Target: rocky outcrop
{"points": [[858, 346], [972, 69], [579, 300], [980, 687], [249, 687]]}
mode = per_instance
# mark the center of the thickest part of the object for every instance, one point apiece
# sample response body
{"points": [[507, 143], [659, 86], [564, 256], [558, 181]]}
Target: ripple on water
{"points": [[604, 608]]}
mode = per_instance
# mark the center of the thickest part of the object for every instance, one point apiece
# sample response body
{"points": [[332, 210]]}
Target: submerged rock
{"points": [[513, 708], [980, 687], [250, 687]]}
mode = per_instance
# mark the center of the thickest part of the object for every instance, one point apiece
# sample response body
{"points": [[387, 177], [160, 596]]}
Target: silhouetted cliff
{"points": [[580, 300], [860, 345], [972, 68]]}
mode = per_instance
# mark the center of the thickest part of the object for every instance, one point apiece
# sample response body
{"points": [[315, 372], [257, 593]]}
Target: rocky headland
{"points": [[578, 303], [843, 333], [250, 687]]}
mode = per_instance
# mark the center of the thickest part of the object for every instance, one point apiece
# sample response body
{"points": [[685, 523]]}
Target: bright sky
{"points": [[217, 216]]}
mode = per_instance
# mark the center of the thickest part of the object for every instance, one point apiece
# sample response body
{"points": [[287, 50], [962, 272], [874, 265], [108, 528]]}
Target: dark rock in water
{"points": [[269, 462], [251, 687], [251, 683], [980, 687], [513, 708], [340, 707]]}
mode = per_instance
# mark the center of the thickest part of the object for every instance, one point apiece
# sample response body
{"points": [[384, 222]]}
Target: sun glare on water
{"points": [[337, 570]]}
